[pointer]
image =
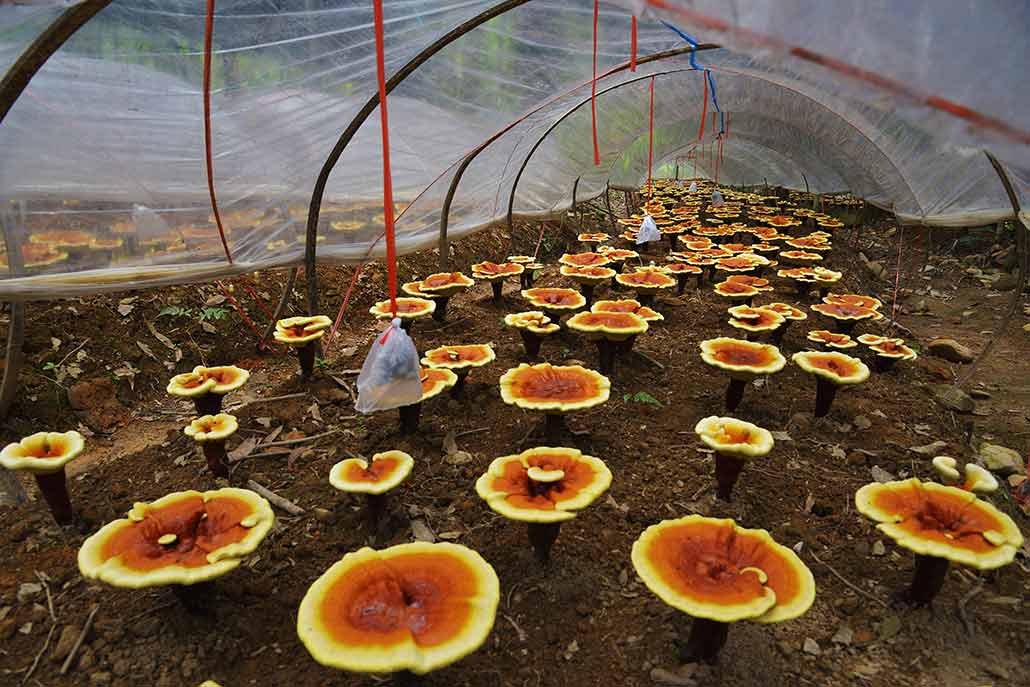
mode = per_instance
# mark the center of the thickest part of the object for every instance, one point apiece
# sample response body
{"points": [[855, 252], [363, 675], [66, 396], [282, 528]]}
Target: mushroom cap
{"points": [[809, 243], [554, 388], [446, 283], [550, 298], [936, 520], [386, 471], [893, 348], [831, 339], [62, 238], [755, 319], [832, 366], [682, 268], [297, 331], [647, 281], [593, 238], [730, 436], [872, 339], [520, 259], [712, 568], [414, 288], [614, 326], [739, 357], [212, 427], [628, 305], [617, 254], [36, 255], [190, 384], [737, 263], [43, 452], [592, 274], [415, 607], [226, 377], [840, 311], [435, 380], [786, 310], [407, 309], [979, 479], [583, 259], [543, 484], [751, 280], [459, 357], [801, 256], [945, 467], [213, 531], [533, 320], [492, 270]]}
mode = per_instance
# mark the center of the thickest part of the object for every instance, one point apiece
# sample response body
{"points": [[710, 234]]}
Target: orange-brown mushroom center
{"points": [[459, 354], [946, 517], [377, 471], [647, 278], [431, 377], [738, 354], [55, 448], [555, 296], [522, 492], [761, 318], [497, 268], [839, 367], [613, 320], [551, 384], [735, 287], [585, 259], [438, 280], [619, 307]]}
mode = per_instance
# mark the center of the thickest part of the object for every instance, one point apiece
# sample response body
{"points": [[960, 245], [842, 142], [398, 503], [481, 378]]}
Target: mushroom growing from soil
{"points": [[554, 390], [978, 479], [789, 313], [44, 455], [434, 382], [681, 271], [181, 539], [830, 339], [832, 370], [628, 305], [853, 299], [646, 283], [754, 321], [207, 386], [889, 352], [408, 310], [720, 573], [846, 316], [737, 291], [543, 487], [211, 432], [587, 277], [496, 274], [743, 360], [940, 524], [460, 360], [607, 330], [302, 334], [533, 326], [373, 479], [554, 301], [410, 608], [442, 286], [734, 441], [583, 259]]}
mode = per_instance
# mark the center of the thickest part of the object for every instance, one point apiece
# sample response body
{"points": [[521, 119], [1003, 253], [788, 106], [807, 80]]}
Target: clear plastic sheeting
{"points": [[102, 173]]}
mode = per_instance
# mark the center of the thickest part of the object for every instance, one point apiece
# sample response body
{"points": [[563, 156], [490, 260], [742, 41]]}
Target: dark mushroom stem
{"points": [[208, 404], [706, 639], [531, 342], [606, 350], [727, 470], [409, 417], [803, 287], [587, 289], [458, 390], [927, 579], [55, 492], [735, 392], [883, 363], [777, 335], [375, 509], [825, 391], [823, 291], [526, 278], [306, 355], [440, 313], [700, 278], [681, 282], [554, 427], [406, 323], [542, 536], [625, 346], [406, 678], [845, 326], [646, 299], [498, 287], [217, 459], [195, 598]]}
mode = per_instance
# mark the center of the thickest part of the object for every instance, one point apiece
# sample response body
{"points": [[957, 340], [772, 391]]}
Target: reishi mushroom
{"points": [[588, 277], [207, 386], [496, 274], [646, 283], [533, 326], [889, 352], [607, 330], [460, 360], [554, 301], [755, 321], [978, 479], [44, 455], [831, 339], [211, 432], [301, 334], [410, 608], [554, 390], [681, 271], [940, 524], [743, 360], [720, 573], [442, 286], [374, 479], [845, 315], [408, 310], [737, 291], [789, 313], [734, 441], [832, 370], [543, 487], [434, 382]]}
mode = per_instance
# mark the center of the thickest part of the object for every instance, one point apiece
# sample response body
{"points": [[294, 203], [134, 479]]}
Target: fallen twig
{"points": [[843, 579], [152, 609], [646, 357], [79, 640], [251, 401], [49, 598], [960, 607], [301, 440], [471, 431], [518, 630], [35, 661], [276, 500]]}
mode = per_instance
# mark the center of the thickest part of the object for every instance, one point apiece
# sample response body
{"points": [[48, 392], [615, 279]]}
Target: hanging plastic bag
{"points": [[648, 231], [389, 377], [693, 187], [717, 200]]}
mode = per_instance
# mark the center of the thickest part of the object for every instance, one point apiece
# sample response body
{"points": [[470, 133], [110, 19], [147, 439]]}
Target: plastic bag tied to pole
{"points": [[389, 377], [693, 187], [648, 231], [717, 199]]}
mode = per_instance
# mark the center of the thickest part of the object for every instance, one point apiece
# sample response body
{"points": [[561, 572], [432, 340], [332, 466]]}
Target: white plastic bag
{"points": [[390, 375], [717, 200], [693, 187], [648, 231]]}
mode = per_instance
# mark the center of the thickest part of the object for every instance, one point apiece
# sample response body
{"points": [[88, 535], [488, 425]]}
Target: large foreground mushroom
{"points": [[832, 370], [543, 487], [743, 360], [720, 573], [734, 441], [607, 330], [413, 607], [373, 479], [554, 390], [940, 524], [44, 455]]}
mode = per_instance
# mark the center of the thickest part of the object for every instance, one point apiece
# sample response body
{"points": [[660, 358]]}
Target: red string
{"points": [[536, 251], [384, 124], [343, 308], [253, 294], [209, 29], [650, 140], [704, 106], [633, 45], [593, 93], [897, 276], [243, 316]]}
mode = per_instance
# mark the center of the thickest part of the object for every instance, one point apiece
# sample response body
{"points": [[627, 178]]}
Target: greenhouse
{"points": [[722, 303]]}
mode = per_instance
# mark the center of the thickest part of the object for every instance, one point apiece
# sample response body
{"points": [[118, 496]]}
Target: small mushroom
{"points": [[940, 524], [460, 360], [44, 455], [554, 390], [832, 370], [442, 286], [789, 313], [607, 329], [302, 334], [207, 386], [743, 360], [588, 278], [682, 271], [830, 339], [736, 291], [889, 352], [410, 608], [374, 480], [846, 316], [978, 479], [496, 274], [434, 382], [414, 288], [754, 321], [646, 283], [584, 259], [720, 573], [408, 310], [598, 237], [533, 326], [211, 432], [734, 441], [555, 302], [543, 487]]}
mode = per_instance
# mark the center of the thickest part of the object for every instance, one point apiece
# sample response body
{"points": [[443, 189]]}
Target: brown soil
{"points": [[585, 620]]}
